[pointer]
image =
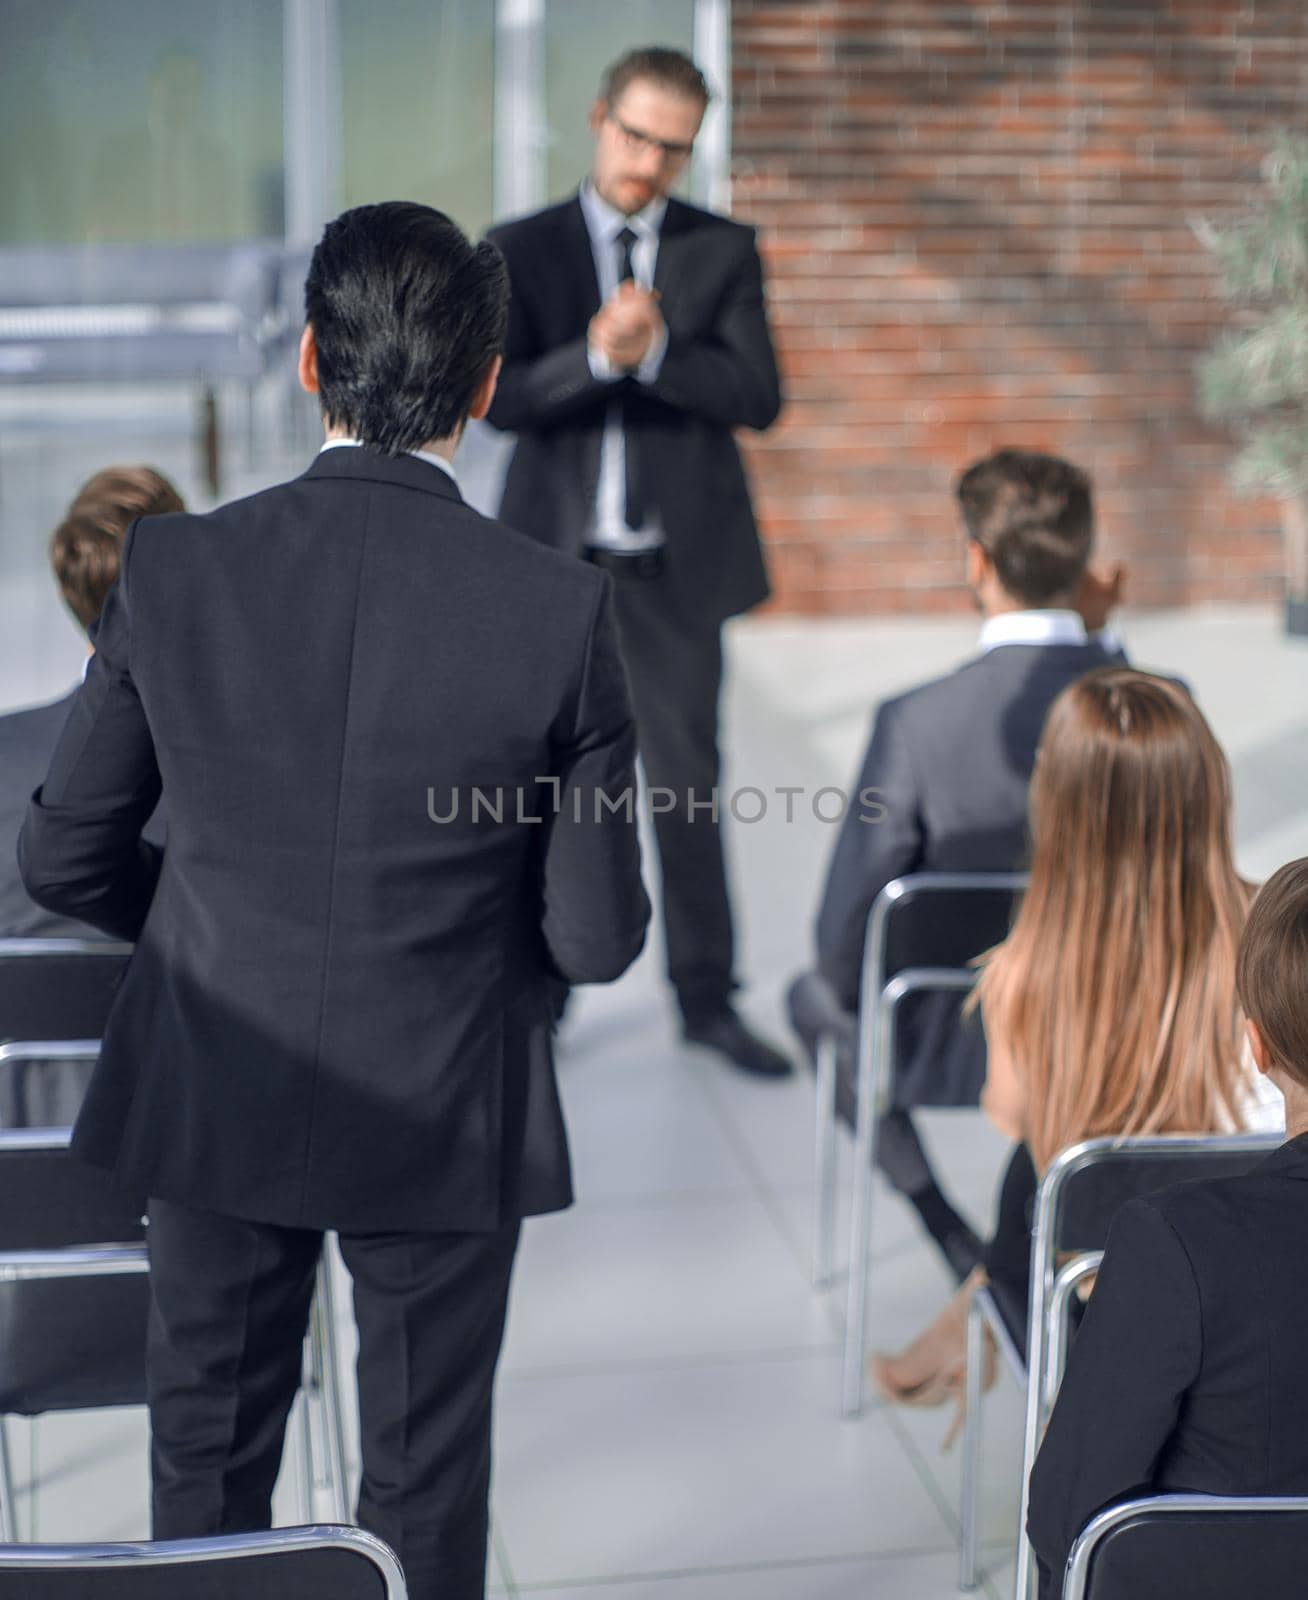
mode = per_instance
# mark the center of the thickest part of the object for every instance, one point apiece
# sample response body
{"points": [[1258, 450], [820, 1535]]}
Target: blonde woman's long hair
{"points": [[1115, 991]]}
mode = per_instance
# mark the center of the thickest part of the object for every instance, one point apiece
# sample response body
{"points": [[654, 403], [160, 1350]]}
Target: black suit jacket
{"points": [[944, 784], [719, 373], [1188, 1372], [27, 741], [336, 1013]]}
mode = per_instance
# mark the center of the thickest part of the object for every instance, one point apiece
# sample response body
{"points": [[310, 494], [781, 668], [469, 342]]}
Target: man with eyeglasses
{"points": [[637, 342]]}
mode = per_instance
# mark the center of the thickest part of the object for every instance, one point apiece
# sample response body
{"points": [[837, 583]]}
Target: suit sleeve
{"points": [[1137, 1352], [595, 907], [538, 385], [80, 850], [880, 839], [730, 375]]}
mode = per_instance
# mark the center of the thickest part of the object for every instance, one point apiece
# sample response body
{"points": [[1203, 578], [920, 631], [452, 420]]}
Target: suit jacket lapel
{"points": [[580, 258], [669, 264]]}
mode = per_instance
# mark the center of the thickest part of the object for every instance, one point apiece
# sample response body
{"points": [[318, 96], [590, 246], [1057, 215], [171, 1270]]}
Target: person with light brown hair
{"points": [[85, 547], [1111, 1008], [84, 552], [1187, 1374]]}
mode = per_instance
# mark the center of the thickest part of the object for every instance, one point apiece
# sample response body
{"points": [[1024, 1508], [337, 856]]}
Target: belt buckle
{"points": [[627, 566]]}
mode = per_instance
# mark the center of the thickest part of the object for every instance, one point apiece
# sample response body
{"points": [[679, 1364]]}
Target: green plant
{"points": [[1255, 378]]}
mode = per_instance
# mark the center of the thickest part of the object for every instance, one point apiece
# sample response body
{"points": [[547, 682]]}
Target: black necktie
{"points": [[635, 503], [625, 240]]}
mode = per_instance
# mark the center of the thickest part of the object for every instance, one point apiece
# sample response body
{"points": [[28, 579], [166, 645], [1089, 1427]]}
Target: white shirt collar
{"points": [[422, 455], [604, 221], [1032, 627]]}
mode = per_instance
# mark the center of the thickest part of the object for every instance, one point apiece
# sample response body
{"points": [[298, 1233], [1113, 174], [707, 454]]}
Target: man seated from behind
{"points": [[1187, 1374], [84, 553], [948, 766]]}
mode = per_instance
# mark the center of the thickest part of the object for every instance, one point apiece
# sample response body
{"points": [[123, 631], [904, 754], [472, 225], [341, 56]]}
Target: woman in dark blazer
{"points": [[1188, 1371]]}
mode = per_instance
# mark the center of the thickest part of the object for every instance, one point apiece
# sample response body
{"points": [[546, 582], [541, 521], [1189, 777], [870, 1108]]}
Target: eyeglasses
{"points": [[639, 144]]}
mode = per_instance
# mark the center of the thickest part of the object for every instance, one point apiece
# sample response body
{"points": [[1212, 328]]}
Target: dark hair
{"points": [[85, 547], [1271, 969], [407, 314], [670, 69], [1032, 515]]}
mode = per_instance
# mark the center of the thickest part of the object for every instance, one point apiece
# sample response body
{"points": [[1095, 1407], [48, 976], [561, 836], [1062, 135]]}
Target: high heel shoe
{"points": [[931, 1370]]}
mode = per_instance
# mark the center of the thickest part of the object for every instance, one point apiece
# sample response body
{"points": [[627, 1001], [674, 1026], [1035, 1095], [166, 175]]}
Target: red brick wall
{"points": [[975, 218]]}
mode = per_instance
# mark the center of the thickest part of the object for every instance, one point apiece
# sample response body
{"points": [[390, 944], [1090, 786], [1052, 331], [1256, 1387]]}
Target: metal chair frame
{"points": [[1077, 1576], [878, 1009], [1049, 1315], [321, 1386], [35, 949], [181, 1553], [983, 1314], [64, 947]]}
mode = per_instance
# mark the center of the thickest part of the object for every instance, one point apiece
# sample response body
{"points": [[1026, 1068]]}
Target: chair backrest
{"points": [[1200, 1546], [58, 988], [74, 1295], [1078, 1197], [941, 919], [924, 933], [313, 1563], [1089, 1182]]}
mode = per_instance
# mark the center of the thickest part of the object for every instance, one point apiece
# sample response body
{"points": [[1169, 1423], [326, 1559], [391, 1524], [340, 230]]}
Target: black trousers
{"points": [[674, 665], [230, 1304], [1007, 1258], [815, 1008]]}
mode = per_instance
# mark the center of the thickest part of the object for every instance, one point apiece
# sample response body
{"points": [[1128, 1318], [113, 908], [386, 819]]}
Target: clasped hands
{"points": [[625, 327]]}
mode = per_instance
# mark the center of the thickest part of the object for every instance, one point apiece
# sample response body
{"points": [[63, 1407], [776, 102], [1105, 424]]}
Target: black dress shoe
{"points": [[724, 1032]]}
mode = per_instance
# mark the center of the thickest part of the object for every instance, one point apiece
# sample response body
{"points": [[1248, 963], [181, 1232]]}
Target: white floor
{"points": [[668, 1425]]}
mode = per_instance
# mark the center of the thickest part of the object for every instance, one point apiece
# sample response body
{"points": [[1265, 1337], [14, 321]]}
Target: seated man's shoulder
{"points": [[30, 731], [15, 725], [951, 691]]}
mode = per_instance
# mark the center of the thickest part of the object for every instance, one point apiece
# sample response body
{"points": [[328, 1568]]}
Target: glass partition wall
{"points": [[165, 166], [178, 121]]}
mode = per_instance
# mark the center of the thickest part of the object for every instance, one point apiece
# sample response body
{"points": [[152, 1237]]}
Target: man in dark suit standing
{"points": [[637, 341], [945, 779], [394, 741]]}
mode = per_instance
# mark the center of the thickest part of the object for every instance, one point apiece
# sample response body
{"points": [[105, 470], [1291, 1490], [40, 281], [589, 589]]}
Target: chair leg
{"points": [[8, 1528], [860, 1236], [1025, 1577], [306, 1456], [971, 1463], [329, 1366], [824, 1162]]}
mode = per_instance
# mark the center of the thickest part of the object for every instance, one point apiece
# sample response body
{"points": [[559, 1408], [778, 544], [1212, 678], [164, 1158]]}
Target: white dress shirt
{"points": [[1032, 627], [1042, 627], [422, 455], [604, 224]]}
